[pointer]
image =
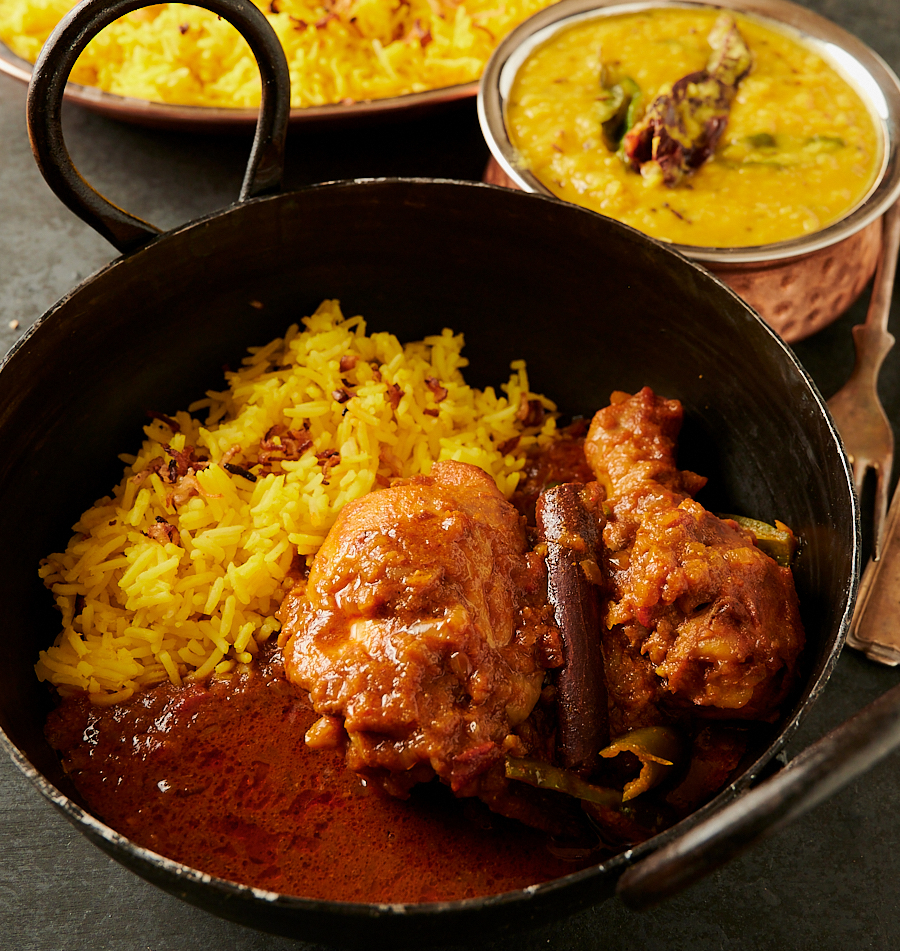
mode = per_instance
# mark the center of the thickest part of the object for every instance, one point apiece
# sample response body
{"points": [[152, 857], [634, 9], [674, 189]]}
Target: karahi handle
{"points": [[815, 774], [125, 231]]}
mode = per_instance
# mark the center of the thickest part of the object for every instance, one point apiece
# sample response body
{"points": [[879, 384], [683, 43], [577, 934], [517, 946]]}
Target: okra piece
{"points": [[777, 540]]}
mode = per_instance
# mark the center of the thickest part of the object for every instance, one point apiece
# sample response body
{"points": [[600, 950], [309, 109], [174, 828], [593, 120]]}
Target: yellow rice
{"points": [[337, 50], [137, 610]]}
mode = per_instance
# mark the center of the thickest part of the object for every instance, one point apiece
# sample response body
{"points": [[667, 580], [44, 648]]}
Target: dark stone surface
{"points": [[831, 881]]}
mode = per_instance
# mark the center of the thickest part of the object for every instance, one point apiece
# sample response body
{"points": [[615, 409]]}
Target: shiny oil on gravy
{"points": [[218, 777], [217, 774], [817, 160]]}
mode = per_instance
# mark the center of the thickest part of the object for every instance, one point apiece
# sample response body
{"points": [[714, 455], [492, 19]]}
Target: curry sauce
{"points": [[217, 776], [424, 780]]}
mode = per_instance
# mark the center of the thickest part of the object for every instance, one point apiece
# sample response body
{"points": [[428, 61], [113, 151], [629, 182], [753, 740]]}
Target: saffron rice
{"points": [[182, 579], [337, 50]]}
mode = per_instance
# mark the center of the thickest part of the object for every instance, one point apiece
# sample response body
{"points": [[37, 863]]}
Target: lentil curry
{"points": [[795, 147]]}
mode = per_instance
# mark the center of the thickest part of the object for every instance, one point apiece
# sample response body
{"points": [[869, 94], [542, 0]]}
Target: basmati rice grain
{"points": [[180, 577]]}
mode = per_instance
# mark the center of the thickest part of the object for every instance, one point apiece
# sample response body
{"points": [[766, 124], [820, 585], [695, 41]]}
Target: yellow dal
{"points": [[791, 93]]}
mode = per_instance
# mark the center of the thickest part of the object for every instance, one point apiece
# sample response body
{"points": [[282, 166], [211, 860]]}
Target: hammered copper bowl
{"points": [[797, 286]]}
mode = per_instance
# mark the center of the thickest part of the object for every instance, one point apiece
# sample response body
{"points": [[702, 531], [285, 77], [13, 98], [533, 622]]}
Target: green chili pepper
{"points": [[761, 140], [617, 110], [777, 540], [610, 103], [659, 748], [635, 102], [545, 776], [781, 151], [824, 143]]}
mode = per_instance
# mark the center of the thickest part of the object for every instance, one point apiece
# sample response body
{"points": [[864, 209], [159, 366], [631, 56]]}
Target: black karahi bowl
{"points": [[590, 304]]}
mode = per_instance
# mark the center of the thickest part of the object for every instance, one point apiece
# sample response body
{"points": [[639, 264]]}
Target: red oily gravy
{"points": [[218, 777]]}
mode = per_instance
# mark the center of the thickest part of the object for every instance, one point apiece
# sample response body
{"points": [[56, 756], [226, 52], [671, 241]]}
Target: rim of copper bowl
{"points": [[862, 67]]}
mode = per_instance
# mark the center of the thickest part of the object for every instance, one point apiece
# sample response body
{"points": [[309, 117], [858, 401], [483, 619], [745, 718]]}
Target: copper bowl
{"points": [[797, 286]]}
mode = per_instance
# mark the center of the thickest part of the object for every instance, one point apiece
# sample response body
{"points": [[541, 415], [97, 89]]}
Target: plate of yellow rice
{"points": [[174, 64]]}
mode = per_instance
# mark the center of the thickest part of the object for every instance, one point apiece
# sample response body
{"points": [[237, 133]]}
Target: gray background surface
{"points": [[829, 882]]}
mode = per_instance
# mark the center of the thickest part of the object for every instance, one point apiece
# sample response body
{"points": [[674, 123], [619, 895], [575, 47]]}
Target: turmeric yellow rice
{"points": [[337, 50], [179, 573]]}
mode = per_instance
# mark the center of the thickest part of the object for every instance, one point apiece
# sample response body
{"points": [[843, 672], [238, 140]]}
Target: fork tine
{"points": [[859, 467], [882, 475]]}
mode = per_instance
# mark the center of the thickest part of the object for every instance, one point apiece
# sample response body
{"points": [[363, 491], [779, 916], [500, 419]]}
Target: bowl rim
{"points": [[871, 77]]}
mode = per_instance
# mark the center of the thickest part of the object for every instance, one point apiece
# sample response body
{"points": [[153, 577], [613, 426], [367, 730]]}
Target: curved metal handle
{"points": [[125, 231], [816, 773]]}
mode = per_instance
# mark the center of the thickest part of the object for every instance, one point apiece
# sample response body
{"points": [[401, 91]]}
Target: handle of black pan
{"points": [[45, 96], [815, 774]]}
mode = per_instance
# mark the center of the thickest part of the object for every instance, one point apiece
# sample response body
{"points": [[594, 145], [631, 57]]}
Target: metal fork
{"points": [[858, 414]]}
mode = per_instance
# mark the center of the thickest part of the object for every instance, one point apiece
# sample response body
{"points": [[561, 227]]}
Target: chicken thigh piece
{"points": [[698, 617], [423, 632]]}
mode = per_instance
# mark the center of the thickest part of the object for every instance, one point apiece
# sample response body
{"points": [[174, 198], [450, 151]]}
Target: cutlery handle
{"points": [[875, 628], [125, 231], [872, 338]]}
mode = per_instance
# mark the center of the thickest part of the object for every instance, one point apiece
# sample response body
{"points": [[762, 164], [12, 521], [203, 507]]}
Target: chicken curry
{"points": [[469, 695]]}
